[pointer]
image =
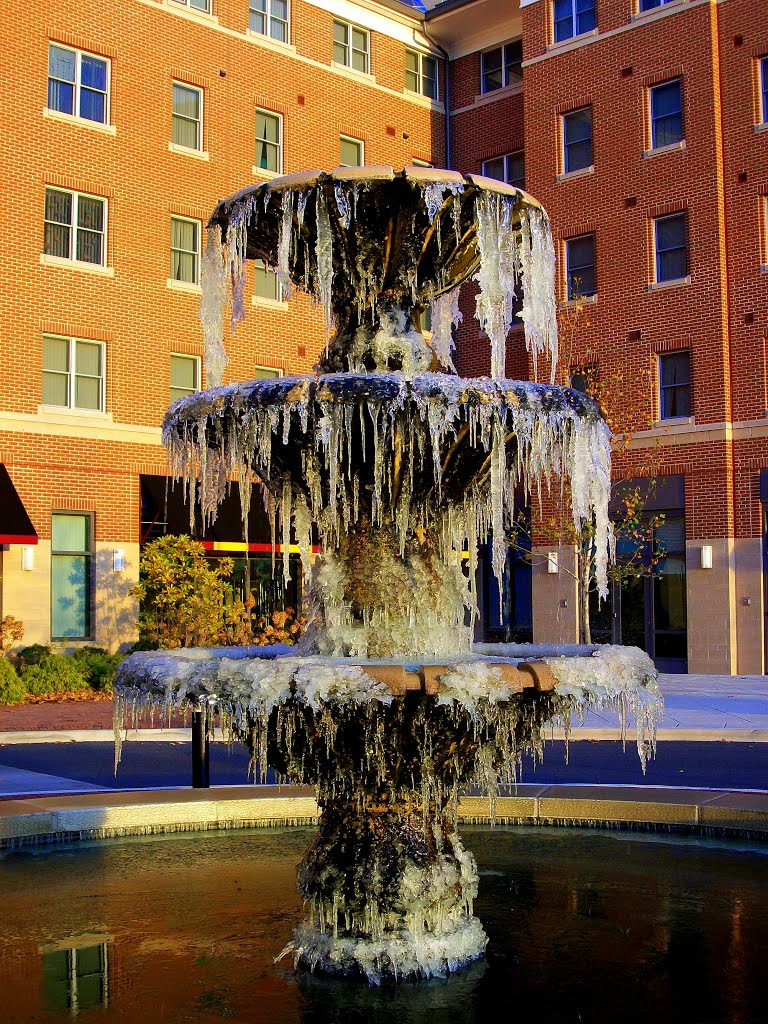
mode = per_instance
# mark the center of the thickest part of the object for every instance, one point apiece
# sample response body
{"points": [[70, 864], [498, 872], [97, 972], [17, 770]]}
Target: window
{"points": [[77, 83], [573, 17], [185, 250], [75, 979], [73, 373], [269, 18], [269, 141], [648, 5], [580, 267], [266, 373], [583, 378], [351, 46], [185, 376], [75, 226], [764, 90], [671, 247], [666, 109], [187, 116], [509, 168], [350, 152], [196, 5], [266, 283], [502, 66], [70, 576], [577, 140], [674, 385], [421, 74]]}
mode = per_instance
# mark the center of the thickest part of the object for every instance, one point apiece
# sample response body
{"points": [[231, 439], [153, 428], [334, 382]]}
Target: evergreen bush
{"points": [[12, 689], [56, 673]]}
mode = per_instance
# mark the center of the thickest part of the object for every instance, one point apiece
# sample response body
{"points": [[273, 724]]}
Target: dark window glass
{"points": [[674, 385], [509, 168], [577, 140], [573, 17], [502, 66], [70, 576], [764, 88], [582, 378], [580, 261], [671, 247], [648, 5], [666, 114]]}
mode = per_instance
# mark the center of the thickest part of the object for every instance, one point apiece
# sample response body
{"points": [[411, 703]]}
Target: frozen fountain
{"points": [[401, 470]]}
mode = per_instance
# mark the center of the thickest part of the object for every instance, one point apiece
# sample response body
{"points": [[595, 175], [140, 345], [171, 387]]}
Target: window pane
{"points": [[56, 241], [513, 59], [89, 247], [88, 358], [55, 389], [93, 106], [56, 354], [340, 32], [350, 153], [494, 168], [58, 206], [666, 114], [675, 368], [69, 596], [266, 285], [93, 73], [429, 71], [516, 169], [61, 63], [61, 96], [90, 213], [87, 393], [492, 74], [69, 533], [580, 259], [186, 102], [184, 373], [183, 234], [263, 373]]}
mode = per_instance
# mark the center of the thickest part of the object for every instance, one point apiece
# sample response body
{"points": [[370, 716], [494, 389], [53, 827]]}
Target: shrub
{"points": [[11, 630], [32, 655], [98, 666], [55, 673], [12, 689]]}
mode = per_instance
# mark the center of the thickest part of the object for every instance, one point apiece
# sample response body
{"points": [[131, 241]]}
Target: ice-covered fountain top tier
{"points": [[402, 466], [401, 470]]}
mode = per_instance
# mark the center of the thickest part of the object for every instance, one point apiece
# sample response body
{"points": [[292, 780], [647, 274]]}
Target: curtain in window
{"points": [[90, 228], [58, 220], [55, 371], [186, 117], [93, 88], [267, 142], [184, 251], [61, 79], [88, 374]]}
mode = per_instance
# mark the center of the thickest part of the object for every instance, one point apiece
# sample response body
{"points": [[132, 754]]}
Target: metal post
{"points": [[201, 764]]}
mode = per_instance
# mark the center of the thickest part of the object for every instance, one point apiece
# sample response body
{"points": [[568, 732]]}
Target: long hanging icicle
{"points": [[537, 269], [445, 316], [284, 245], [324, 258], [212, 304]]}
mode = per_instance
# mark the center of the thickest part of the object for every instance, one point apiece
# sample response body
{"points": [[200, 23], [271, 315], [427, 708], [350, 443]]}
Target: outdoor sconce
{"points": [[118, 560], [706, 556], [552, 566], [27, 559]]}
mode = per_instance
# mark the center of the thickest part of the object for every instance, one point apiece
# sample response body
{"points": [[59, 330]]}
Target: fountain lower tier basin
{"points": [[387, 882], [609, 926]]}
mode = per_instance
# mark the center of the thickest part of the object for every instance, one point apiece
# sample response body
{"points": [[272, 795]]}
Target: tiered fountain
{"points": [[401, 469]]}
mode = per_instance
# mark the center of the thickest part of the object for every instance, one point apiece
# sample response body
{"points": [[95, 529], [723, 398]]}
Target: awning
{"points": [[15, 525]]}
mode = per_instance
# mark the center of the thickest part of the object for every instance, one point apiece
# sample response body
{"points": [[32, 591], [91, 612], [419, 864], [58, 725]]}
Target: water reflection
{"points": [[76, 974]]}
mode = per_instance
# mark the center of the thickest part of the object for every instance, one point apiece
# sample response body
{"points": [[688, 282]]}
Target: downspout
{"points": [[447, 92]]}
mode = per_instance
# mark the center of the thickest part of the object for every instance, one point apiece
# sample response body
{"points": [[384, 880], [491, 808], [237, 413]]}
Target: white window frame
{"points": [[72, 375], [79, 54], [277, 370], [349, 49], [268, 19], [357, 142], [199, 148], [192, 7], [505, 82], [575, 33], [506, 157], [420, 91], [197, 254], [279, 117], [266, 300], [195, 360], [74, 228]]}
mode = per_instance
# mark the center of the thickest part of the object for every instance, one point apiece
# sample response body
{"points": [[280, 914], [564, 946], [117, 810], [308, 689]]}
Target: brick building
{"points": [[642, 126]]}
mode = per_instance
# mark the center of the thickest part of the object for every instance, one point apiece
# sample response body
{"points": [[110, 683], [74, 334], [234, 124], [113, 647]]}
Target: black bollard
{"points": [[201, 753]]}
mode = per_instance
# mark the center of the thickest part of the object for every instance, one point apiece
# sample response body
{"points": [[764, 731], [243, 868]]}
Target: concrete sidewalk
{"points": [[696, 708]]}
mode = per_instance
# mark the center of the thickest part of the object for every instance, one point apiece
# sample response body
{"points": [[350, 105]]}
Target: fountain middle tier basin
{"points": [[388, 745]]}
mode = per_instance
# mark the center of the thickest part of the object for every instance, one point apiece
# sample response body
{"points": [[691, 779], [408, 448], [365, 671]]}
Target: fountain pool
{"points": [[582, 926]]}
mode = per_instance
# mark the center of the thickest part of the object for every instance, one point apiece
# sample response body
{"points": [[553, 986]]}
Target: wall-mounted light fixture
{"points": [[552, 566], [706, 556], [27, 558], [118, 560]]}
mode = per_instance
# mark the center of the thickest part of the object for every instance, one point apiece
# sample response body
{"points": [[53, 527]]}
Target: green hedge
{"points": [[12, 689]]}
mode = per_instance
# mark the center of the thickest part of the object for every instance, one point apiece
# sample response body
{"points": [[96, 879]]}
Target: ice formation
{"points": [[401, 473]]}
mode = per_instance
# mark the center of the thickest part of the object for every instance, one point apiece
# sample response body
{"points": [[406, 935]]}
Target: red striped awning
{"points": [[15, 525]]}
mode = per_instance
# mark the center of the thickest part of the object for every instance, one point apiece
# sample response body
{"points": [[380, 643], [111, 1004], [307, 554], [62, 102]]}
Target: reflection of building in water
{"points": [[76, 973]]}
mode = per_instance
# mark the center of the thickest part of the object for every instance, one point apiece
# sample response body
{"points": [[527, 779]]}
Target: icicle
{"points": [[537, 264], [212, 303], [284, 245], [499, 545], [496, 274], [342, 204], [445, 316], [285, 513], [324, 259]]}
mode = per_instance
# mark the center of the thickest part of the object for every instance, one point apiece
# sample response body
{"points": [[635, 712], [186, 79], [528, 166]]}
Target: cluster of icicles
{"points": [[258, 689], [227, 433], [514, 243]]}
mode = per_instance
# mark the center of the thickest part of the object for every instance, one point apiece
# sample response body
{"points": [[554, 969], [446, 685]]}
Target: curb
{"points": [[93, 816]]}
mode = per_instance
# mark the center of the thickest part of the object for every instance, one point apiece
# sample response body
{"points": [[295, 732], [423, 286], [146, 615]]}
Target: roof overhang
{"points": [[465, 26], [15, 525]]}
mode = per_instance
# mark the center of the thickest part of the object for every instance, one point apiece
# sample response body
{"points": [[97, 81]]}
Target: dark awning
{"points": [[15, 525]]}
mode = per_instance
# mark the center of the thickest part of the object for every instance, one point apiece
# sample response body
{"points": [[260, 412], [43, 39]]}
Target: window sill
{"points": [[364, 77], [659, 286], [673, 147], [184, 286], [674, 421], [587, 300], [582, 172], [88, 268], [69, 414], [563, 44], [80, 122], [656, 11], [198, 154], [257, 300], [423, 101], [513, 89], [269, 43], [259, 172], [190, 12], [757, 128]]}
